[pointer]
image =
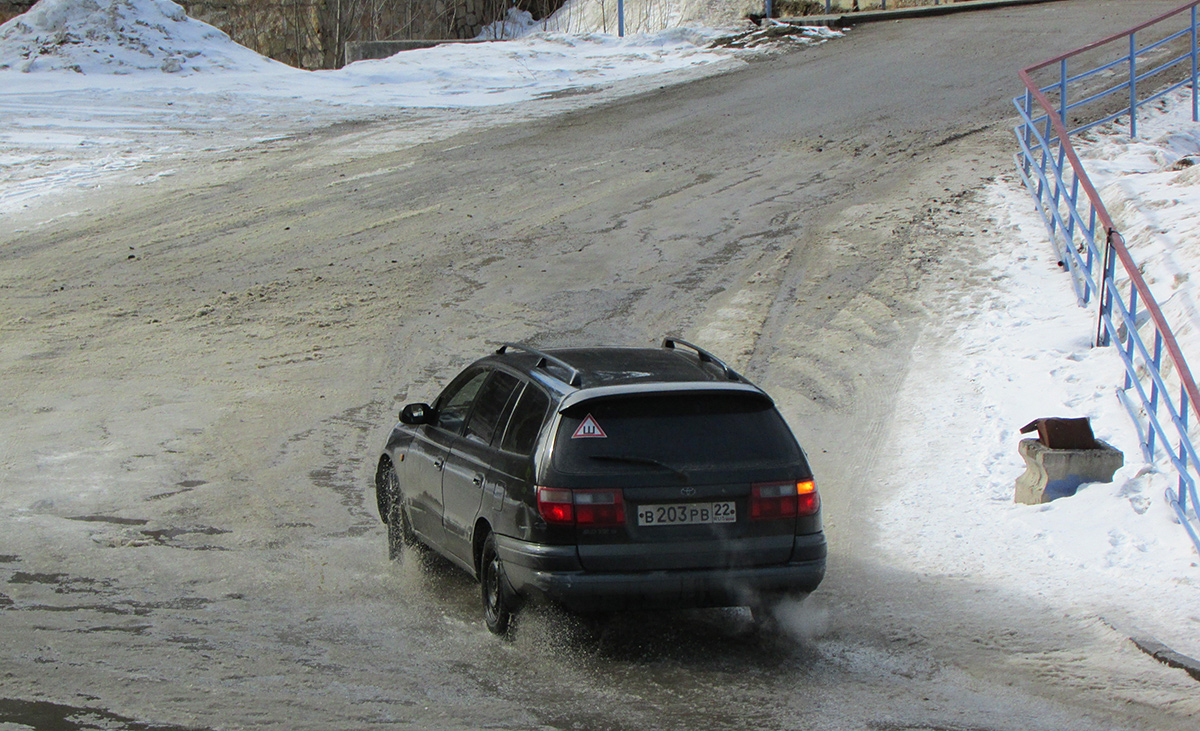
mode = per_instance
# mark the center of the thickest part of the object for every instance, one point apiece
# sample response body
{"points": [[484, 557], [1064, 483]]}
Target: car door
{"points": [[426, 458], [469, 462]]}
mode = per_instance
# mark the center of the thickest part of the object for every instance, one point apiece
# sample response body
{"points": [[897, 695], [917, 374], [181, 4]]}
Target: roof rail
{"points": [[705, 357], [574, 377]]}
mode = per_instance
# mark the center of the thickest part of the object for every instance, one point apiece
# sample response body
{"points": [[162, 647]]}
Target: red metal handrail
{"points": [[1117, 242]]}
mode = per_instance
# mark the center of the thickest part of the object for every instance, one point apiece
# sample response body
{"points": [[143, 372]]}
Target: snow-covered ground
{"points": [[91, 93], [91, 89], [1022, 351], [641, 16]]}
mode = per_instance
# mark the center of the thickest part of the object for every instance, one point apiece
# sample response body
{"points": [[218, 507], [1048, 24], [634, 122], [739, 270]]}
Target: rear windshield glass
{"points": [[672, 431]]}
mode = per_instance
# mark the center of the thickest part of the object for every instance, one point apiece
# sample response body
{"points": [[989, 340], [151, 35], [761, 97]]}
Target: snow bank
{"points": [[641, 16], [120, 37], [486, 74], [1151, 187], [1019, 348]]}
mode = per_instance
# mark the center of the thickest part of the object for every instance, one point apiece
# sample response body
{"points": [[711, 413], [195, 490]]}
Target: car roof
{"points": [[576, 374]]}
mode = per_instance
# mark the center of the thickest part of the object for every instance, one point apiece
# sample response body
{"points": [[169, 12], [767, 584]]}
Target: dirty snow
{"points": [[1019, 348], [125, 37], [90, 89], [641, 16]]}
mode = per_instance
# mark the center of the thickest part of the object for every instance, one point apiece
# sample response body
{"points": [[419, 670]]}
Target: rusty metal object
{"points": [[1060, 433]]}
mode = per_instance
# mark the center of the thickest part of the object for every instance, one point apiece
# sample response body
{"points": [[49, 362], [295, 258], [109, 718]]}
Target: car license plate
{"points": [[724, 511]]}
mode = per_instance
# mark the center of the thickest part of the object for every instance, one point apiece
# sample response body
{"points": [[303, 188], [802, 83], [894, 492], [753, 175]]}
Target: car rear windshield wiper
{"points": [[634, 459]]}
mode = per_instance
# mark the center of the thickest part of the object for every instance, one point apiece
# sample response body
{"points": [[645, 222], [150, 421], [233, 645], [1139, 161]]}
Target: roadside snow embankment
{"points": [[641, 16], [1023, 350], [120, 37]]}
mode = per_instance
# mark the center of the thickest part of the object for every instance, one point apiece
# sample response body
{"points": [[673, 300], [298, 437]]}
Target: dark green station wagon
{"points": [[605, 479]]}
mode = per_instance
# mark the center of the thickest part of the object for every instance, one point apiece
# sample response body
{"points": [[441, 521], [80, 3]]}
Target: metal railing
{"points": [[1083, 235]]}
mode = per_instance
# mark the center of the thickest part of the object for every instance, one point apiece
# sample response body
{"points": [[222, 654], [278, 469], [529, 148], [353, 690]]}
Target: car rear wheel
{"points": [[498, 603]]}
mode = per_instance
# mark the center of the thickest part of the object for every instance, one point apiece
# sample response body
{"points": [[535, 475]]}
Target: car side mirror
{"points": [[416, 414]]}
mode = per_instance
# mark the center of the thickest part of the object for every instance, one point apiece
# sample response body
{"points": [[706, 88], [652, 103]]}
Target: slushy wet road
{"points": [[189, 537]]}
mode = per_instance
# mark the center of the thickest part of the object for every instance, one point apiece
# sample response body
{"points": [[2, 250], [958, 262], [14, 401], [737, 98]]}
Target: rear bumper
{"points": [[553, 572]]}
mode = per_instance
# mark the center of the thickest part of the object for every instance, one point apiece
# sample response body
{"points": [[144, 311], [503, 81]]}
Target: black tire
{"points": [[396, 524], [400, 532], [499, 605], [385, 488]]}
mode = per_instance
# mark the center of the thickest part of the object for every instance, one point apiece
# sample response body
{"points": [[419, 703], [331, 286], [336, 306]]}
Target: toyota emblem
{"points": [[688, 491]]}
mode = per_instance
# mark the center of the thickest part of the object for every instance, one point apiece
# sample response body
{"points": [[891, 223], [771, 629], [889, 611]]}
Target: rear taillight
{"points": [[599, 507], [808, 500], [556, 506], [778, 500], [581, 507]]}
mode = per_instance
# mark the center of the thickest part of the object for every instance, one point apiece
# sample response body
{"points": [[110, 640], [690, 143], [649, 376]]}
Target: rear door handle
{"points": [[437, 463], [478, 480]]}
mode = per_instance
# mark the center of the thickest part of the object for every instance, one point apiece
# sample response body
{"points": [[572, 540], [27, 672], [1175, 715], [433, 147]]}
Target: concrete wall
{"points": [[290, 31]]}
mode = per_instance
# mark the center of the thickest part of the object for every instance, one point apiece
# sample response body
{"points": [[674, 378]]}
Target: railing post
{"points": [[1183, 435], [1062, 94], [1107, 289], [1059, 184], [1028, 131], [1132, 85], [1073, 202], [1130, 334], [1152, 409], [1042, 182], [1195, 75]]}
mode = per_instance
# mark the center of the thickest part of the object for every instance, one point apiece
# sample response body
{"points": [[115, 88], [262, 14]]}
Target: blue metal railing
{"points": [[1089, 246]]}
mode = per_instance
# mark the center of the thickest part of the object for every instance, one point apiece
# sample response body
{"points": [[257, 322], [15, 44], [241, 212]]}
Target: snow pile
{"points": [[641, 16], [120, 37], [1017, 347], [515, 24], [486, 74], [1151, 187]]}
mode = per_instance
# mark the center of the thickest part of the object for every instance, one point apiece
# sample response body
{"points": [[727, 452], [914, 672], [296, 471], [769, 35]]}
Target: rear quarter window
{"points": [[684, 431], [526, 421]]}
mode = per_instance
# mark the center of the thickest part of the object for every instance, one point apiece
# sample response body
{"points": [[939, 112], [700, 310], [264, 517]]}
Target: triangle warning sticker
{"points": [[589, 429]]}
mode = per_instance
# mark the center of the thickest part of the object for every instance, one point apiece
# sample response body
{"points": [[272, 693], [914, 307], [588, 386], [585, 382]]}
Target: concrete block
{"points": [[1054, 473]]}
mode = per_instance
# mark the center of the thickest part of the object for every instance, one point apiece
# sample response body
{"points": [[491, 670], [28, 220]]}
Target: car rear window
{"points": [[672, 431]]}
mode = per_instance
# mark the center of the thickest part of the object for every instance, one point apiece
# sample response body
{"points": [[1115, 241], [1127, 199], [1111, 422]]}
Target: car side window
{"points": [[456, 400], [526, 421], [489, 406]]}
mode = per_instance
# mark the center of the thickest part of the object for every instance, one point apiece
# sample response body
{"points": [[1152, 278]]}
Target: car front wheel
{"points": [[400, 533]]}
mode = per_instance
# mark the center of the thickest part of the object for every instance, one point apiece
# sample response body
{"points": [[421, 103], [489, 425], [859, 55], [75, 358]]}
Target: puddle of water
{"points": [[47, 716], [109, 519]]}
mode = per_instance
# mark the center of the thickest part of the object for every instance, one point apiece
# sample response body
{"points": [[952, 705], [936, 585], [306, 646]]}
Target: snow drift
{"points": [[119, 37]]}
